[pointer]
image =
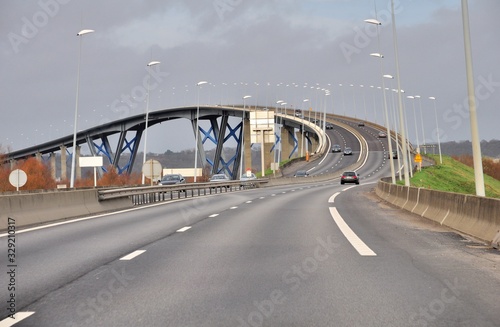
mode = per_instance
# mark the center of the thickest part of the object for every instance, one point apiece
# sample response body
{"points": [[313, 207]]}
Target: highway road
{"points": [[320, 254]]}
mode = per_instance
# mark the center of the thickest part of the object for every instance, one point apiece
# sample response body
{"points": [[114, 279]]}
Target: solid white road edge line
{"points": [[332, 198], [133, 255], [7, 322], [355, 241]]}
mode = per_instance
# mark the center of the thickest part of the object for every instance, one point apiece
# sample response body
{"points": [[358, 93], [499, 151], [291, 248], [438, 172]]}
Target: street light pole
{"points": [[243, 135], [152, 63], [400, 98], [412, 98], [437, 129], [388, 129], [303, 131], [421, 121], [199, 84], [476, 145], [73, 157]]}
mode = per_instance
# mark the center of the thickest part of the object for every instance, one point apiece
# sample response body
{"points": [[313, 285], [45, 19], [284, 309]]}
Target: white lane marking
{"points": [[214, 215], [347, 188], [133, 255], [249, 201], [332, 198], [7, 322], [232, 208], [355, 241], [262, 197], [183, 229], [97, 216]]}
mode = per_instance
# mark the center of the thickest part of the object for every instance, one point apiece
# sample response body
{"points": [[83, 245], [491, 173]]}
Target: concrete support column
{"points": [[315, 143], [38, 156], [286, 142], [53, 165], [268, 155], [300, 150], [78, 172], [64, 167], [247, 149], [13, 164]]}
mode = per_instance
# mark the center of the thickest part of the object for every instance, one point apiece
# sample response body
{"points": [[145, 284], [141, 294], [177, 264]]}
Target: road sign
{"points": [[152, 169], [418, 157], [18, 178]]}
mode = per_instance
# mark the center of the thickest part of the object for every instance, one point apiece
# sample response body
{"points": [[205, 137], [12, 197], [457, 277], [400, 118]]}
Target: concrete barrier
{"points": [[38, 208], [473, 215]]}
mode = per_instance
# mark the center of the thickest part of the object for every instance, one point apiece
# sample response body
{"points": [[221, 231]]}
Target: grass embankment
{"points": [[453, 176]]}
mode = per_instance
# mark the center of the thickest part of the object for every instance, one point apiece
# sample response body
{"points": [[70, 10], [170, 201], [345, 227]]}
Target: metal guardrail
{"points": [[160, 193]]}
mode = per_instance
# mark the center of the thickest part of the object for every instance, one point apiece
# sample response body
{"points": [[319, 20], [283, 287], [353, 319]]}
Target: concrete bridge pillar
{"points": [[287, 142], [314, 143], [268, 155], [53, 165], [64, 174], [78, 172], [247, 146], [301, 149], [38, 156]]}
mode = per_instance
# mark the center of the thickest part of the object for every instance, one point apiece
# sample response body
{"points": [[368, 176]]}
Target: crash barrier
{"points": [[30, 208], [151, 194], [473, 215]]}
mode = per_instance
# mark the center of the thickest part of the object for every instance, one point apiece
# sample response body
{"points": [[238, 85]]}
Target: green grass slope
{"points": [[453, 176]]}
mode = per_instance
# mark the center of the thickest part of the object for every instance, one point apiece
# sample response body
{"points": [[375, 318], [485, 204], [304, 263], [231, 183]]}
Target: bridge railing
{"points": [[150, 194]]}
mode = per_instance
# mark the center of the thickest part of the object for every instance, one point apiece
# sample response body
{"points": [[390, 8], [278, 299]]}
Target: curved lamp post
{"points": [[388, 129], [152, 63], [199, 84], [437, 129], [73, 157]]}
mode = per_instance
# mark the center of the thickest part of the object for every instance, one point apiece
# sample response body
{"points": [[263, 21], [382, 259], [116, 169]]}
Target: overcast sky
{"points": [[270, 49]]}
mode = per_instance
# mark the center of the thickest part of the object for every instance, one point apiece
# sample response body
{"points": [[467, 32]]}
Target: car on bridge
{"points": [[361, 123], [301, 173], [172, 179], [336, 148], [347, 151], [394, 155], [349, 177], [219, 179], [382, 135]]}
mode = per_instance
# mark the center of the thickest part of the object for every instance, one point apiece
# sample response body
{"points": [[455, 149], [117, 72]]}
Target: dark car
{"points": [[361, 123], [329, 126], [347, 151], [349, 177], [172, 179], [219, 179], [301, 173], [394, 155], [336, 148]]}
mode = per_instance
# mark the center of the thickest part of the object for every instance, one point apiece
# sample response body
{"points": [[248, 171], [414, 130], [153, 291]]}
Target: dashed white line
{"points": [[232, 208], [355, 241], [183, 229], [213, 215], [133, 255], [7, 322], [249, 201]]}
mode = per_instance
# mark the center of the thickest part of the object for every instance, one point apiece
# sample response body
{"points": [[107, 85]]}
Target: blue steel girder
{"points": [[295, 142]]}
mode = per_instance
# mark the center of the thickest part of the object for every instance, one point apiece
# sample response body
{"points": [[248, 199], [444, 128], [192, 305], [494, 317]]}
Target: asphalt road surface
{"points": [[310, 255], [320, 254]]}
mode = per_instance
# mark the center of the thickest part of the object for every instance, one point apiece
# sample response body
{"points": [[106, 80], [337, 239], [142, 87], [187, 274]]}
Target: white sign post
{"points": [[18, 178], [91, 162], [152, 169]]}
